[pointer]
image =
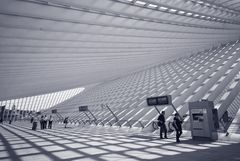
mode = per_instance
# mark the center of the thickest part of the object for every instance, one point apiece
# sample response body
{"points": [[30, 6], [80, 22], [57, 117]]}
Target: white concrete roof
{"points": [[53, 45]]}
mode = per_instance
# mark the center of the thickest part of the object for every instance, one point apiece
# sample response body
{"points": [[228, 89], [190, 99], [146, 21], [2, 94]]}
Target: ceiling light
{"points": [[141, 3], [181, 12], [189, 14], [152, 6], [128, 0], [202, 16], [172, 10], [200, 2], [196, 15], [163, 8]]}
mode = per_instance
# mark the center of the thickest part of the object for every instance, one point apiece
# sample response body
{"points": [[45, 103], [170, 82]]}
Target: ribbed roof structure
{"points": [[52, 45]]}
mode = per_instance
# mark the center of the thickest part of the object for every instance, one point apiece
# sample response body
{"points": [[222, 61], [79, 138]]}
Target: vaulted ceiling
{"points": [[53, 45]]}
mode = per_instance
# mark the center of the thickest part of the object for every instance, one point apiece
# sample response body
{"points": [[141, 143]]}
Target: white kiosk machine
{"points": [[203, 120]]}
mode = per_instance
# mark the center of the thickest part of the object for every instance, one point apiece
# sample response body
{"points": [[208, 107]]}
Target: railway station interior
{"points": [[119, 80]]}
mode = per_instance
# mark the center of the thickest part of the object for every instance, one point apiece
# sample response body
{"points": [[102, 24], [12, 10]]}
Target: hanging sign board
{"points": [[161, 100], [83, 108], [54, 111]]}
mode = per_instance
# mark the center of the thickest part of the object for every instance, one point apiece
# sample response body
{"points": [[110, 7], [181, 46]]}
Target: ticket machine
{"points": [[203, 120]]}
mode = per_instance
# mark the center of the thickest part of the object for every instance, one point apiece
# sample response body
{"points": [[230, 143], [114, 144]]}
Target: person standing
{"points": [[161, 124], [177, 124], [50, 122], [45, 119], [32, 118], [34, 123], [42, 123]]}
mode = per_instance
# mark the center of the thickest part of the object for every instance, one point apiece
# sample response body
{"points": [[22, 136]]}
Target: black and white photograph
{"points": [[119, 80]]}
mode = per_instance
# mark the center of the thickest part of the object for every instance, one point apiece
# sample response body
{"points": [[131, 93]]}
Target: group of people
{"points": [[177, 124], [44, 121]]}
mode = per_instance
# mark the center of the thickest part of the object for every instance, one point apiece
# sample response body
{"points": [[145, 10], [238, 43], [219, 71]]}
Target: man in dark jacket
{"points": [[161, 124], [177, 124], [65, 122], [42, 122]]}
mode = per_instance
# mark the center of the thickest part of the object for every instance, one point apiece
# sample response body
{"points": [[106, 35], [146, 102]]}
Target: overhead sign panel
{"points": [[54, 111], [161, 100], [83, 108]]}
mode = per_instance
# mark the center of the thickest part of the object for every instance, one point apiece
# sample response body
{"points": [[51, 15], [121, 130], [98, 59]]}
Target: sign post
{"points": [[84, 109], [161, 100], [117, 120]]}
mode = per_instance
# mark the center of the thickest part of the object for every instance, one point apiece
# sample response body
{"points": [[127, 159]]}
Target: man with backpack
{"points": [[177, 124]]}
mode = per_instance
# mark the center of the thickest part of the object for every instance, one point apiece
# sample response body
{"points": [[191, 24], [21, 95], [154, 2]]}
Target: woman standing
{"points": [[34, 123]]}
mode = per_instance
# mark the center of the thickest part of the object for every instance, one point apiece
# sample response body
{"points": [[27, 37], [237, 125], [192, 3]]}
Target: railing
{"points": [[142, 124], [224, 123], [107, 122]]}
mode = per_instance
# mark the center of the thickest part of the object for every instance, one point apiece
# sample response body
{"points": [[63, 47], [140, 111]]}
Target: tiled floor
{"points": [[18, 142]]}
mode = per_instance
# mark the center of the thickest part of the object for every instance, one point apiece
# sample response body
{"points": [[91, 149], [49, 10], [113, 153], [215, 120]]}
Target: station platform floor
{"points": [[19, 143]]}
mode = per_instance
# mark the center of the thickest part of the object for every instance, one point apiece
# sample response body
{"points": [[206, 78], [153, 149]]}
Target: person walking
{"points": [[65, 122], [161, 124], [50, 121], [177, 124]]}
